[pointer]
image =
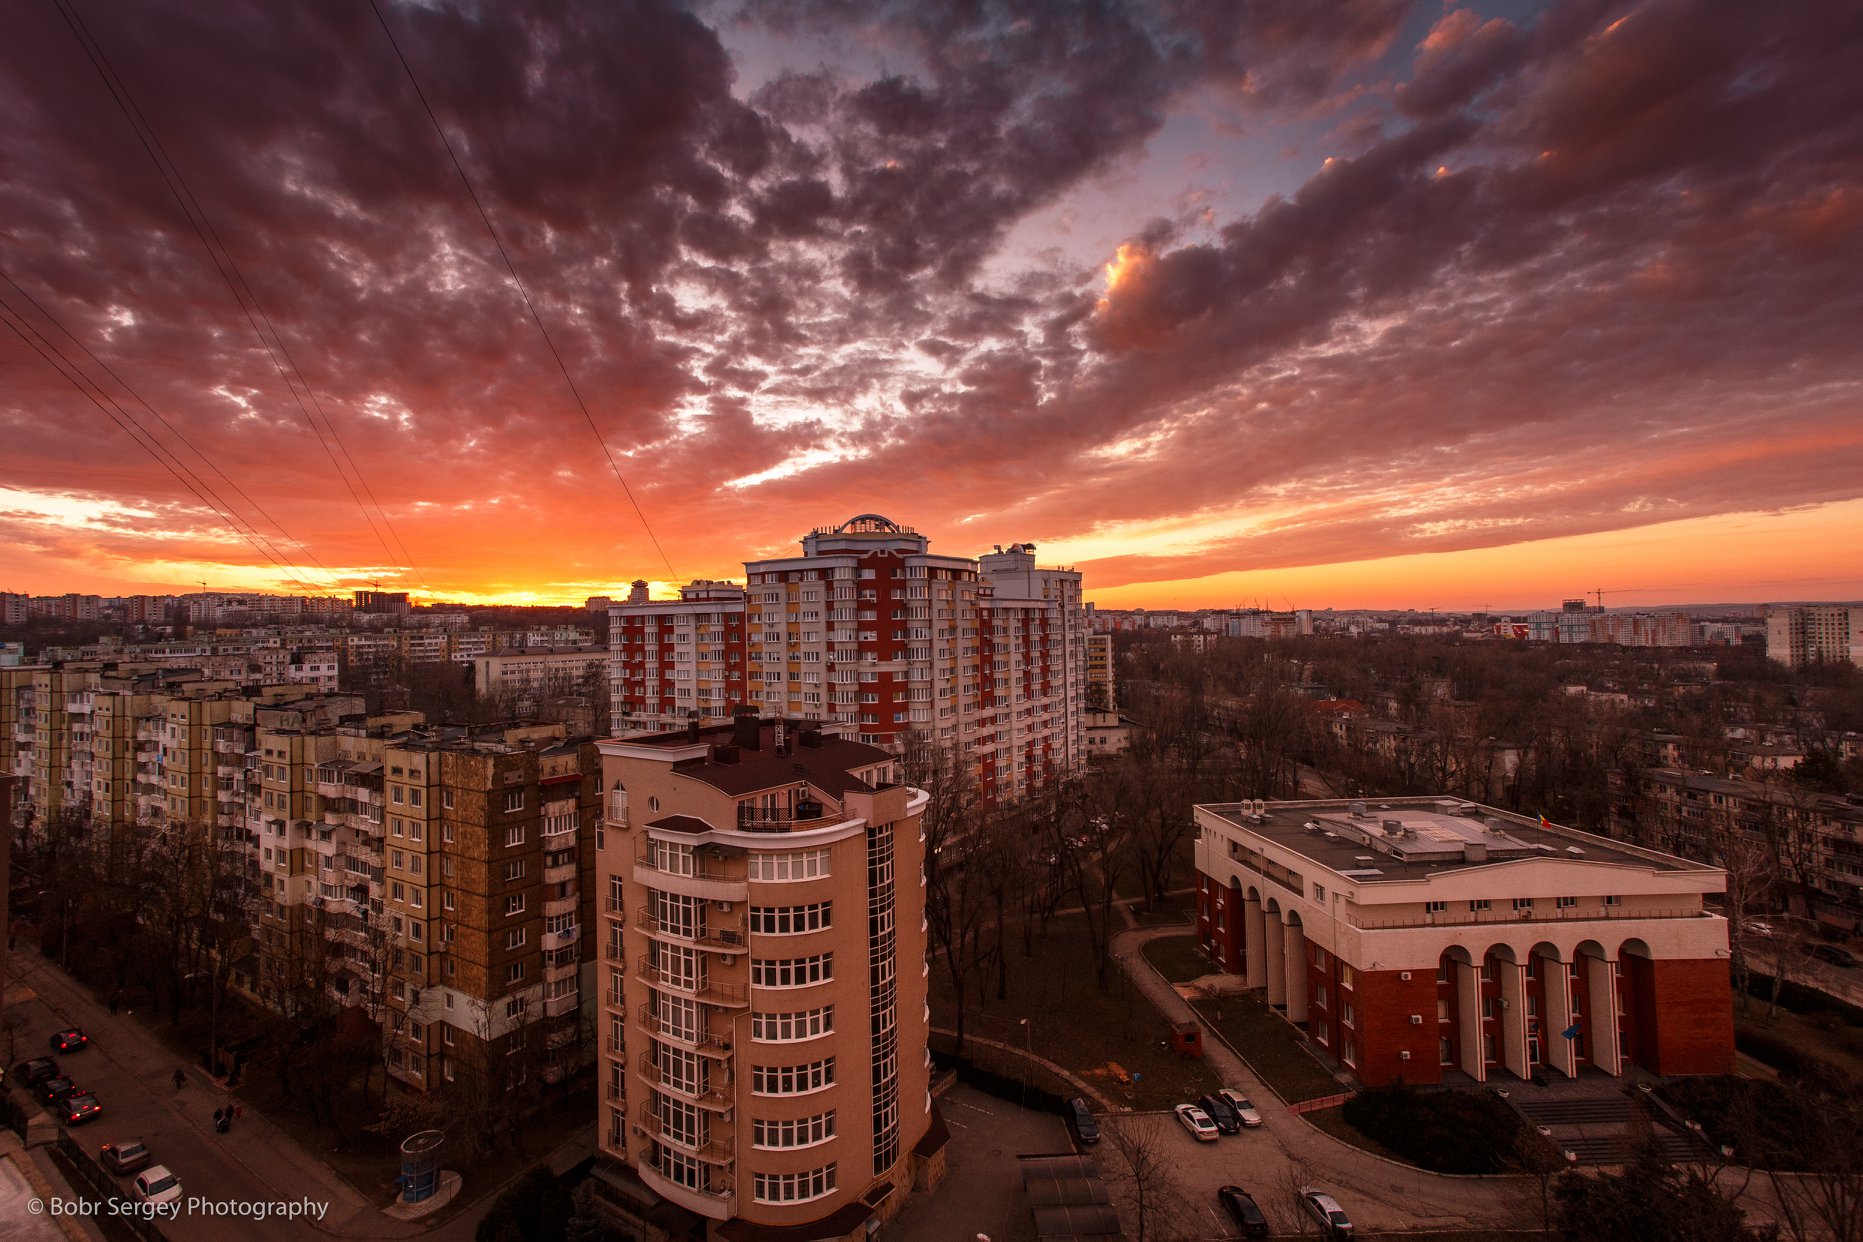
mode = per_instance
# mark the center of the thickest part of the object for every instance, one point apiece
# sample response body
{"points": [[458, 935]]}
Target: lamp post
{"points": [[1028, 1043]]}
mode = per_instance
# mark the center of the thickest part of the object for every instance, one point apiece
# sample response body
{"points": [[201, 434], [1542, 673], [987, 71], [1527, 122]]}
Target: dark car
{"points": [[52, 1090], [1081, 1122], [1835, 954], [80, 1108], [32, 1073], [71, 1040], [125, 1157], [1244, 1211], [1224, 1116]]}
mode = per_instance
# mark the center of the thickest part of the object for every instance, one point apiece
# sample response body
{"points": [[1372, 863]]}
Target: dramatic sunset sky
{"points": [[1341, 303]]}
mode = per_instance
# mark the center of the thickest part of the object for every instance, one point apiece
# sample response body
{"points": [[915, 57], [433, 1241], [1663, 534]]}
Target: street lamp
{"points": [[1028, 1043]]}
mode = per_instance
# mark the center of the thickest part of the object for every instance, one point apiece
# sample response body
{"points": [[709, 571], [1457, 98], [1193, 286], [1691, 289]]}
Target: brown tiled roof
{"points": [[681, 823]]}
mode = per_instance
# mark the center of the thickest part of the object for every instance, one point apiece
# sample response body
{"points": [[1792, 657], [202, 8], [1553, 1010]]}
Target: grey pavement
{"points": [[1286, 1150], [982, 1189]]}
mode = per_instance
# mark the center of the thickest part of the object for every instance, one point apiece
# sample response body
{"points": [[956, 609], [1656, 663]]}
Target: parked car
{"points": [[70, 1040], [157, 1185], [124, 1157], [54, 1090], [32, 1073], [1081, 1122], [1326, 1213], [81, 1107], [1245, 1111], [1197, 1122], [1753, 927], [1243, 1209], [1224, 1116], [1835, 954]]}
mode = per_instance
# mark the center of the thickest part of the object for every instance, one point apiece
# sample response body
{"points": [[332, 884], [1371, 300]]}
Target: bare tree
{"points": [[1144, 1143]]}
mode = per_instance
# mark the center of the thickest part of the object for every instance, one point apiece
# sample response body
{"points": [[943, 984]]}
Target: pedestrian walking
{"points": [[218, 1115], [222, 1121], [115, 1001], [180, 1077]]}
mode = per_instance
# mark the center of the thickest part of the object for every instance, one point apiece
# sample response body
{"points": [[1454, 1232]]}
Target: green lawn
{"points": [[1113, 1038]]}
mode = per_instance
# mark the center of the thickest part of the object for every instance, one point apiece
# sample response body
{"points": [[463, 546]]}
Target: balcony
{"points": [[559, 874], [562, 939], [712, 1151], [560, 905], [708, 1094], [729, 995], [701, 1043], [708, 880], [557, 1006], [725, 936], [716, 1201]]}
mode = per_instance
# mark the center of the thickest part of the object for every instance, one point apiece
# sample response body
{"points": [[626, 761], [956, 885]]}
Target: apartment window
{"points": [[679, 1016], [678, 965], [514, 904], [514, 973], [514, 800], [413, 797], [801, 1132], [1478, 905], [1347, 976], [446, 832], [795, 865], [1565, 903], [396, 859], [1435, 907], [1445, 1051], [1612, 899], [514, 1005], [514, 870], [415, 899], [792, 1079], [1347, 1014], [397, 795], [1523, 903], [446, 799], [784, 1028], [671, 857], [679, 1069], [514, 833], [446, 899], [515, 938], [789, 920]]}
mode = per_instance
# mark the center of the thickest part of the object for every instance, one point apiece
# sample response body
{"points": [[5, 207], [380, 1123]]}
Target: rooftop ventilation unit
{"points": [[1358, 810], [1393, 827]]}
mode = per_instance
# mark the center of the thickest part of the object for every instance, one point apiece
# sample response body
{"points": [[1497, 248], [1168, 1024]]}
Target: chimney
{"points": [[692, 727], [745, 729]]}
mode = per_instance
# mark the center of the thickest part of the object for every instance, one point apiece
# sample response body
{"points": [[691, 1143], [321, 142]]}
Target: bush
{"points": [[1445, 1131], [535, 1206]]}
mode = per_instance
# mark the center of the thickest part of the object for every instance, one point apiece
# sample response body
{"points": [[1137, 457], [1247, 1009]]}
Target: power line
{"points": [[177, 434], [39, 344], [234, 279], [522, 291]]}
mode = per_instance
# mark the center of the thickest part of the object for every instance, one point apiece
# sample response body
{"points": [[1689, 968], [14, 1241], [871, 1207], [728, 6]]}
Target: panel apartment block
{"points": [[868, 628]]}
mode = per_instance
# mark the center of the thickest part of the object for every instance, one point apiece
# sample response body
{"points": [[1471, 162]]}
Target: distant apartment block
{"points": [[1433, 940], [1819, 837], [764, 1071], [14, 608], [1798, 635], [869, 628], [1102, 673]]}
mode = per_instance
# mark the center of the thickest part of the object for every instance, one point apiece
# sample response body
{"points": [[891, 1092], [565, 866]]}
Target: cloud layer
{"points": [[1581, 271]]}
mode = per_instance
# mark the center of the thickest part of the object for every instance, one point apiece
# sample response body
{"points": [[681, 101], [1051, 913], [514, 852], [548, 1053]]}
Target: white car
{"points": [[1197, 1122], [1325, 1212], [1244, 1109], [157, 1185]]}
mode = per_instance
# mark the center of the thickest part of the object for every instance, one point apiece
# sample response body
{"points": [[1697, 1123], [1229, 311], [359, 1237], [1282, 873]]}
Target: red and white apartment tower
{"points": [[868, 628]]}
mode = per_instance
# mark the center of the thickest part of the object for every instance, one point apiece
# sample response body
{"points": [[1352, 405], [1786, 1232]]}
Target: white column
{"points": [[1602, 1018], [1277, 961], [1255, 942], [1513, 1017], [1468, 1013], [1555, 1048], [1296, 950]]}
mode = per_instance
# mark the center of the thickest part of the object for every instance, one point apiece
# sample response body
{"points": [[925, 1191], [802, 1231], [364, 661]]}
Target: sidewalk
{"points": [[264, 1150]]}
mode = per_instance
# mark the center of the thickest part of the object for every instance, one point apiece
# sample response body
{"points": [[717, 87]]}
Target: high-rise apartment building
{"points": [[868, 628], [1801, 634], [764, 1021]]}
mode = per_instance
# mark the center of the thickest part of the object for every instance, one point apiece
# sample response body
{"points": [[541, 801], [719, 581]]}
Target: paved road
{"points": [[131, 1071], [982, 1190], [1286, 1150]]}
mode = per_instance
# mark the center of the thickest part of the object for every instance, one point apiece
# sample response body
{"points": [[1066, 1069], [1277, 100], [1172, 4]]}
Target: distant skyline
{"points": [[1365, 304]]}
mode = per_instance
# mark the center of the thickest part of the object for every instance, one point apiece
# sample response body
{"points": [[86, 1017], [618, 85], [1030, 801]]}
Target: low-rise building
{"points": [[1423, 938]]}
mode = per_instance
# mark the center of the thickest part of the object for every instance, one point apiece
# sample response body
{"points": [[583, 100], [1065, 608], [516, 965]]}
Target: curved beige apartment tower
{"points": [[765, 1072]]}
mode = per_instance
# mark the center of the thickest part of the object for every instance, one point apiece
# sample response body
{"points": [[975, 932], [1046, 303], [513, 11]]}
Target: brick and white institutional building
{"points": [[868, 628], [1417, 937], [765, 1074]]}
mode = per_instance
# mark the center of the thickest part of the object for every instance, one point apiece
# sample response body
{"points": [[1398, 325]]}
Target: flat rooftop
{"points": [[1375, 839]]}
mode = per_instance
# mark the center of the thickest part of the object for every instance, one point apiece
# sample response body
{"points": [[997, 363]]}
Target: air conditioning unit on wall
{"points": [[1404, 976], [1416, 1019]]}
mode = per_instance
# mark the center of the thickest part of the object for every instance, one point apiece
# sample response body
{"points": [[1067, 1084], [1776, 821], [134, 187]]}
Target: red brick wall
{"points": [[1636, 996], [1383, 1002], [1226, 944], [1693, 1017]]}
